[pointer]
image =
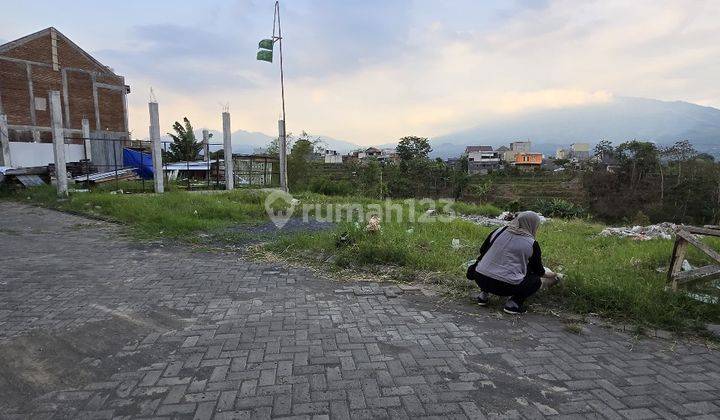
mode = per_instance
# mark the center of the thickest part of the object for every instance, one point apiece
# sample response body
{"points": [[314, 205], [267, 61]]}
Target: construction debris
{"points": [[501, 220], [373, 224], [101, 177], [663, 230]]}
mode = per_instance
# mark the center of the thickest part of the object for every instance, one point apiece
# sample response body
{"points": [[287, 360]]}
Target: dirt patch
{"points": [[45, 361]]}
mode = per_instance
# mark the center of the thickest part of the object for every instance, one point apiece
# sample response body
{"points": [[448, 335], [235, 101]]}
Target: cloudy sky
{"points": [[370, 71]]}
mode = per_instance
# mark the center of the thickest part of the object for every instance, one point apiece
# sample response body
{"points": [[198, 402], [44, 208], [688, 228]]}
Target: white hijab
{"points": [[525, 223]]}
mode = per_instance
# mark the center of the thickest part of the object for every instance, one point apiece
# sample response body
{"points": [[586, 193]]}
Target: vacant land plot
{"points": [[94, 325], [609, 276]]}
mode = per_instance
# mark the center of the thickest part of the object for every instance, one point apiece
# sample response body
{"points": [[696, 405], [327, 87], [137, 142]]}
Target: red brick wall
{"points": [[38, 50], [45, 80], [81, 100], [15, 97], [108, 101], [70, 57], [14, 92]]}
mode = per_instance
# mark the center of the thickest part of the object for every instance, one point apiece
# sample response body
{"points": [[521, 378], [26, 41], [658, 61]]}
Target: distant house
{"points": [[528, 160], [515, 148], [370, 152], [332, 156], [520, 146], [505, 154], [580, 151], [481, 159], [606, 162], [562, 154]]}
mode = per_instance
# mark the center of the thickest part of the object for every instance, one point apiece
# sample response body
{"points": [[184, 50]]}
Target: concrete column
{"points": [[227, 150], [86, 136], [156, 147], [58, 143], [206, 145], [282, 153], [5, 159]]}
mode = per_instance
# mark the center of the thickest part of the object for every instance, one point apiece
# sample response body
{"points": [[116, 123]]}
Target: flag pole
{"points": [[283, 133]]}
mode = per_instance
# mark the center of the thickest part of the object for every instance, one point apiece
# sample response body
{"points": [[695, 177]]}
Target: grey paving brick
{"points": [[240, 339]]}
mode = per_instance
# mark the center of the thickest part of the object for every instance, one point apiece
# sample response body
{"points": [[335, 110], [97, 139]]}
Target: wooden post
{"points": [[227, 152], [156, 147], [5, 159], [678, 256], [58, 144]]}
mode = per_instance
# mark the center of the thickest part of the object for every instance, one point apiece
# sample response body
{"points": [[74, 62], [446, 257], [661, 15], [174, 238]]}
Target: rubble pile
{"points": [[664, 230], [501, 220]]}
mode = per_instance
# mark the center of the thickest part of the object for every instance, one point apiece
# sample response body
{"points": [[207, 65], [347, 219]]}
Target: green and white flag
{"points": [[266, 44], [265, 55]]}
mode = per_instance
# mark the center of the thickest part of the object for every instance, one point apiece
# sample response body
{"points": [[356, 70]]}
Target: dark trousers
{"points": [[519, 292]]}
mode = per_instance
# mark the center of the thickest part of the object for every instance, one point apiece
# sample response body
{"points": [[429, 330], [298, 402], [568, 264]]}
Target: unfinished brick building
{"points": [[34, 65]]}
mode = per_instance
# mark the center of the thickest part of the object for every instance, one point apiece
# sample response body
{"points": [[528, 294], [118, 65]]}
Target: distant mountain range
{"points": [[617, 120]]}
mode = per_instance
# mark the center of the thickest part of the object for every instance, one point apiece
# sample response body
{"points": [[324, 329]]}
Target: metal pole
{"points": [[282, 154], [58, 144], [282, 139], [156, 147]]}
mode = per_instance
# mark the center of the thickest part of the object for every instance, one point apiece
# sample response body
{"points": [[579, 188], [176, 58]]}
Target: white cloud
{"points": [[445, 77]]}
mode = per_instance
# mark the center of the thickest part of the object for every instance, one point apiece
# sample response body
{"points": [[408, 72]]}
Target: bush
{"points": [[640, 219], [328, 187], [557, 207]]}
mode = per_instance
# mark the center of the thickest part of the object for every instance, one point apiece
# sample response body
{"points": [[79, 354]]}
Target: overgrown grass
{"points": [[172, 214], [610, 276]]}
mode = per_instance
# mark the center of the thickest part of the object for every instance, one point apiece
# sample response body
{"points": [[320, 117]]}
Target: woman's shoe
{"points": [[514, 308], [483, 298]]}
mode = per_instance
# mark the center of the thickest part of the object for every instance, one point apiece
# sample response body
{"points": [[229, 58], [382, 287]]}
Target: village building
{"points": [[580, 151], [33, 66], [482, 159], [332, 156], [528, 160]]}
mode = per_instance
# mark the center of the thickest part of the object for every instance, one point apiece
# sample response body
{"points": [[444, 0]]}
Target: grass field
{"points": [[610, 276]]}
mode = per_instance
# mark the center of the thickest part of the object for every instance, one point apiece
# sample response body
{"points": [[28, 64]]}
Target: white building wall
{"points": [[25, 154]]}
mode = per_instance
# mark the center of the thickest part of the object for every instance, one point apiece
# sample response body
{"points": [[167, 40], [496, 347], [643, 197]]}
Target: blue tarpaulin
{"points": [[142, 162]]}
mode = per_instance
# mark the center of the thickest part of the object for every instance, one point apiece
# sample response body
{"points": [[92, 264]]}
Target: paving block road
{"points": [[96, 325]]}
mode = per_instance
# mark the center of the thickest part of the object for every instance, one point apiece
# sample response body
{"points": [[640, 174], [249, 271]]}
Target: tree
{"points": [[460, 177], [603, 149], [184, 147], [413, 148], [300, 169]]}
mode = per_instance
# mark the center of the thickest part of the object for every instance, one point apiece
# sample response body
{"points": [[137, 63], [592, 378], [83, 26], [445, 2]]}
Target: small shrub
{"points": [[558, 208], [640, 219], [327, 187]]}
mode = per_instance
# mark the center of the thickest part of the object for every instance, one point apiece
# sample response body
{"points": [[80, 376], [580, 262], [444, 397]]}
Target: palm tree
{"points": [[184, 146]]}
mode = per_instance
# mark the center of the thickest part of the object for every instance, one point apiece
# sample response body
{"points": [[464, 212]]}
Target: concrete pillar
{"points": [[282, 153], [5, 159], [156, 147], [58, 134], [86, 136], [206, 145], [227, 150]]}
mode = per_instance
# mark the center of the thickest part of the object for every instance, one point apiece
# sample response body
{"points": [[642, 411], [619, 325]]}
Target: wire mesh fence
{"points": [[122, 164]]}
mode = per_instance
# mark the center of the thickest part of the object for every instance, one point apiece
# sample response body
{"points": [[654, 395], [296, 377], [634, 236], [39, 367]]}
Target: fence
{"points": [[110, 157], [127, 165]]}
